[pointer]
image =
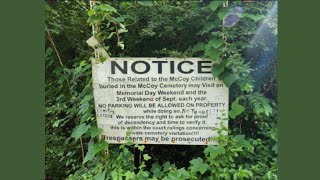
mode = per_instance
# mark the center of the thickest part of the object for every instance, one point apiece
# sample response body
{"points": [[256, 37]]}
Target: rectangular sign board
{"points": [[159, 100]]}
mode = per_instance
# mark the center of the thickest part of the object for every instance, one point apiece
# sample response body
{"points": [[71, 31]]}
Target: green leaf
{"points": [[122, 26], [89, 156], [218, 68], [260, 104], [146, 157], [174, 174], [101, 146], [246, 84], [145, 3], [241, 141], [212, 50], [142, 175], [107, 7], [114, 174], [140, 147], [236, 110], [57, 122], [267, 109], [197, 165], [121, 45], [93, 149], [229, 78], [111, 34], [222, 14], [255, 17], [213, 54], [84, 108], [80, 130], [94, 132], [87, 98], [90, 12], [209, 26], [49, 51], [166, 166], [118, 19], [214, 151], [215, 43], [93, 19], [215, 4], [130, 175], [83, 63], [156, 170], [184, 173], [85, 117], [198, 47], [122, 31], [100, 176]]}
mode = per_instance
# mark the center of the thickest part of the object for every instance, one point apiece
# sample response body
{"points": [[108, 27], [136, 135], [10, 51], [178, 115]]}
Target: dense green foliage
{"points": [[241, 37]]}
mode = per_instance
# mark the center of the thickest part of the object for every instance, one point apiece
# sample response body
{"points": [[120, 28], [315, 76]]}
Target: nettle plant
{"points": [[247, 149], [107, 22]]}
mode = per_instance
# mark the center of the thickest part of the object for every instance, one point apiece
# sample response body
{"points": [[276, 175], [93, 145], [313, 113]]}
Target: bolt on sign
{"points": [[159, 100]]}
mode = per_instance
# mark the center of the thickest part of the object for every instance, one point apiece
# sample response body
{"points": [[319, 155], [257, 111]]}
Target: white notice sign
{"points": [[159, 100]]}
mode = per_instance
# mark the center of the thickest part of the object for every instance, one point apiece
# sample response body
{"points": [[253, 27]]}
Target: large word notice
{"points": [[159, 100]]}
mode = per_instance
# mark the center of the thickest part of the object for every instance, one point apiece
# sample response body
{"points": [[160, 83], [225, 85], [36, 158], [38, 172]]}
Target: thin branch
{"points": [[273, 78], [82, 149], [64, 71], [58, 55]]}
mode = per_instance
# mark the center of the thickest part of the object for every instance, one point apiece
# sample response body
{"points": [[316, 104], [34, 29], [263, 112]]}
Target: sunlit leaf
{"points": [[80, 130]]}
